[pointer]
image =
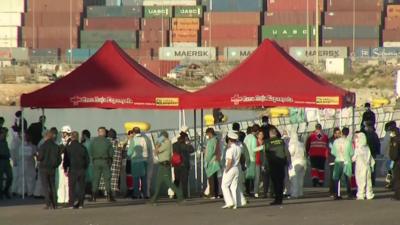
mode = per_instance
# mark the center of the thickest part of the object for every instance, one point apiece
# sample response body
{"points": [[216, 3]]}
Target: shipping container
{"points": [[98, 44], [360, 5], [157, 11], [155, 24], [12, 6], [132, 2], [103, 35], [231, 32], [10, 32], [10, 19], [232, 18], [114, 11], [20, 54], [294, 5], [188, 11], [54, 6], [44, 55], [279, 32], [349, 43], [50, 19], [64, 32], [190, 53], [159, 67], [113, 3], [286, 44], [140, 53], [155, 45], [392, 23], [345, 18], [234, 5], [237, 53], [61, 43], [391, 44], [184, 44], [304, 54], [390, 35], [9, 43], [184, 36], [223, 42], [359, 32], [169, 2], [120, 23], [393, 11], [379, 52], [5, 54], [185, 23], [292, 18], [77, 55], [153, 36]]}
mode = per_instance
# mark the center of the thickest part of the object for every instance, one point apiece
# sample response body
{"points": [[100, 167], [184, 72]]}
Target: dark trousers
{"points": [[249, 183], [396, 180], [5, 170], [49, 187], [266, 180], [331, 181], [278, 178], [77, 185], [164, 177], [373, 175], [214, 187], [317, 170], [181, 179]]}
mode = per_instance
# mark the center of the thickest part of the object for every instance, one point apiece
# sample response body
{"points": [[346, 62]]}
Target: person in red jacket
{"points": [[317, 147]]}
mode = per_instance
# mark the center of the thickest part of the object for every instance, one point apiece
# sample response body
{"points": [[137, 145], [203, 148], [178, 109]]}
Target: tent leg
{"points": [[195, 148], [22, 152]]}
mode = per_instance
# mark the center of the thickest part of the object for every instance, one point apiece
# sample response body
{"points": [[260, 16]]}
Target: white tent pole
{"points": [[183, 117], [22, 152]]}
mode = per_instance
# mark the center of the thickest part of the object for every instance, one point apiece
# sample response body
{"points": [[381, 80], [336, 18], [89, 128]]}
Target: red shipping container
{"points": [[153, 45], [360, 5], [155, 24], [393, 11], [153, 36], [159, 67], [391, 35], [349, 43], [49, 19], [138, 54], [294, 5], [392, 23], [290, 18], [345, 18], [184, 36], [64, 32], [232, 18], [231, 32], [55, 5], [111, 23], [206, 42]]}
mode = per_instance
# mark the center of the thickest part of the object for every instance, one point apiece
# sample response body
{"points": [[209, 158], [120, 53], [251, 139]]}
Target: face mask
{"points": [[392, 135], [207, 137]]}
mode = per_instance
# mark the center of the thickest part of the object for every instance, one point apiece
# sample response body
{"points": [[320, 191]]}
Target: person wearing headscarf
{"points": [[364, 167], [298, 166]]}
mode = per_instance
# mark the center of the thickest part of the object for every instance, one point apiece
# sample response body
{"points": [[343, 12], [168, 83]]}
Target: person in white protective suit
{"points": [[231, 172], [26, 174], [62, 176], [298, 166], [364, 164]]}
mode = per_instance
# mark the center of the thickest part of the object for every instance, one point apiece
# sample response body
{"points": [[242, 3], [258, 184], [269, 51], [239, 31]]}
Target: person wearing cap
{"points": [[5, 166], [101, 152], [212, 162], [164, 152], [62, 175], [230, 177], [368, 115]]}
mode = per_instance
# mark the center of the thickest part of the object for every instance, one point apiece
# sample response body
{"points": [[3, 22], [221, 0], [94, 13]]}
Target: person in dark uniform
{"points": [[374, 144], [76, 164], [2, 120], [5, 166], [266, 126], [368, 115], [277, 161], [394, 154], [35, 130], [184, 148], [50, 158], [101, 152]]}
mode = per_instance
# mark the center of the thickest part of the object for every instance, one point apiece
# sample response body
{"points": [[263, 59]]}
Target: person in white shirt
{"points": [[297, 168], [231, 172]]}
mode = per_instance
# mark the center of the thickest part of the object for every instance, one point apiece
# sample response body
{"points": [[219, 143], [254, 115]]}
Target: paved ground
{"points": [[316, 209]]}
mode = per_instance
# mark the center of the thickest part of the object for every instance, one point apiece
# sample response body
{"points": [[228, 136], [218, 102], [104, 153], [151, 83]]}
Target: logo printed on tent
{"points": [[237, 99], [76, 100]]}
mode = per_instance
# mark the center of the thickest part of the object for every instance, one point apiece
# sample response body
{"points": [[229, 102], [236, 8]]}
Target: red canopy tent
{"points": [[110, 79], [270, 77]]}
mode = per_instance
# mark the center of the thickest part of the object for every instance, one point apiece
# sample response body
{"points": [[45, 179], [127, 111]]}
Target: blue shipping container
{"points": [[77, 54], [234, 5]]}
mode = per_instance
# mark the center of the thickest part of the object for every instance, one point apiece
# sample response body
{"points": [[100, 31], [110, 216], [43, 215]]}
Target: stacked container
{"points": [[391, 33], [185, 26], [52, 26], [352, 23], [292, 23], [10, 22]]}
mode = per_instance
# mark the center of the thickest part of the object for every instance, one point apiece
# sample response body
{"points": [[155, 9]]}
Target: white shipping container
{"points": [[304, 54], [391, 44], [12, 6], [170, 2], [188, 53], [184, 44], [9, 32], [238, 53], [10, 19], [339, 66], [9, 43]]}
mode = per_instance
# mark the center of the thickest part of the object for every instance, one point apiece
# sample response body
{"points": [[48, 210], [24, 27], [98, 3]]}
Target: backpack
{"points": [[176, 160]]}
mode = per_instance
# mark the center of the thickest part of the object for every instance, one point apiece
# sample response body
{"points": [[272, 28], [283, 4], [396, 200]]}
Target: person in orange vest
{"points": [[317, 147]]}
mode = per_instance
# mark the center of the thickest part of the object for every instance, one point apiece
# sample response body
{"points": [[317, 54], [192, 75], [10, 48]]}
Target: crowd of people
{"points": [[64, 167]]}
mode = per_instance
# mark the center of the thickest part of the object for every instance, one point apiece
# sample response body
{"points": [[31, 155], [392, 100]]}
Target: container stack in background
{"points": [[391, 32], [353, 26], [51, 26], [231, 23], [286, 22]]}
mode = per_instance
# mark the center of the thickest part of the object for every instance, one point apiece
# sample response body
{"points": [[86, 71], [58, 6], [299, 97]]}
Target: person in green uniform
{"points": [[5, 166], [101, 153], [212, 162], [164, 152]]}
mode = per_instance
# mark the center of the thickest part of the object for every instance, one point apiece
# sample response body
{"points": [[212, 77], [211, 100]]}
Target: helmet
{"points": [[66, 129]]}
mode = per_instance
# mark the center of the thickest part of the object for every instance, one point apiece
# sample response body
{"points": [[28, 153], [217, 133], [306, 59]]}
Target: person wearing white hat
{"points": [[231, 172], [61, 175]]}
